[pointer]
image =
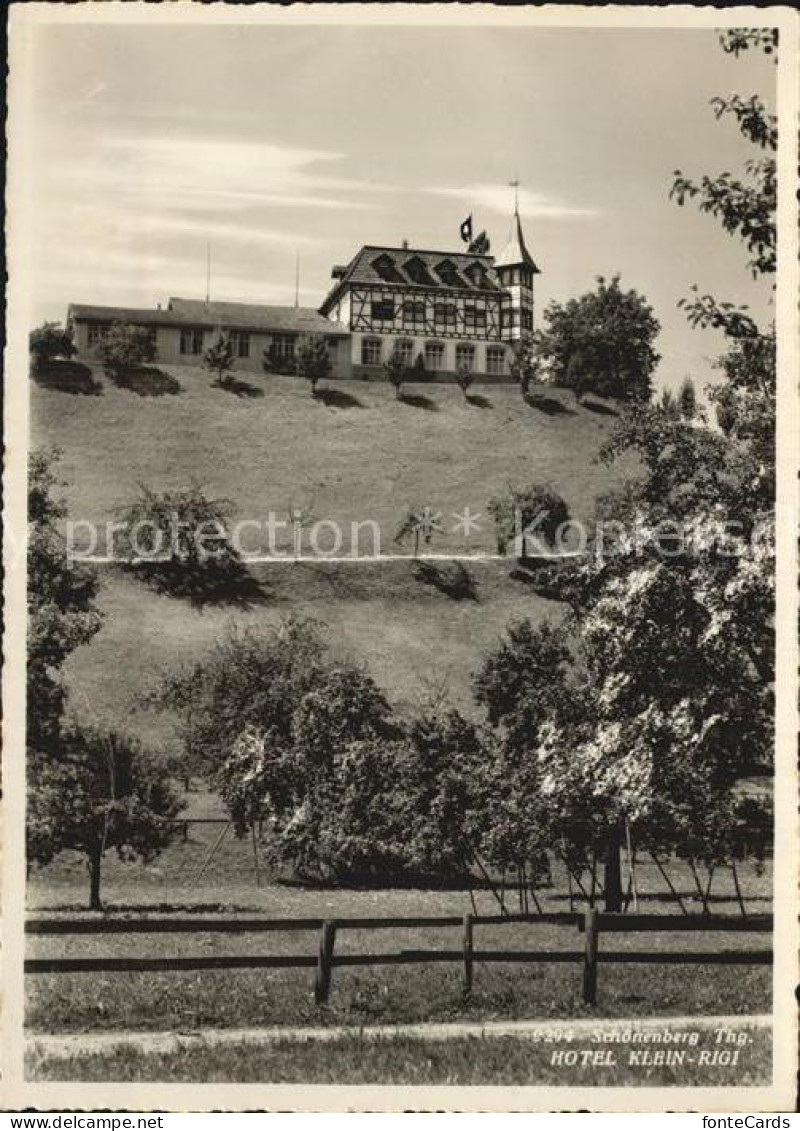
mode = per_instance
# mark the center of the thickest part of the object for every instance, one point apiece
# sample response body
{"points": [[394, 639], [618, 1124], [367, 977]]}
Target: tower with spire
{"points": [[515, 268]]}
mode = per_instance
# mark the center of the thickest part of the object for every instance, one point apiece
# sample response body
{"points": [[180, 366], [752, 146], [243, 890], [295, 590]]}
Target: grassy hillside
{"points": [[354, 454]]}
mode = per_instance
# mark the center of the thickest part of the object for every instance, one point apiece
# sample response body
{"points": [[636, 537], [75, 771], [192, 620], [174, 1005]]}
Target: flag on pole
{"points": [[466, 229]]}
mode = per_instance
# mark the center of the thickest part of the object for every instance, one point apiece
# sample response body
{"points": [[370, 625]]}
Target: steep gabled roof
{"points": [[515, 253], [412, 267]]}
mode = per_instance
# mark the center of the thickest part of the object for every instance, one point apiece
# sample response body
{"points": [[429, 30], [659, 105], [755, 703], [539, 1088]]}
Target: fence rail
{"points": [[592, 925]]}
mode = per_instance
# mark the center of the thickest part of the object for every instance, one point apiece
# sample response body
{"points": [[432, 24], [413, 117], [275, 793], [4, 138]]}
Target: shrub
{"points": [[123, 347], [526, 515], [178, 541], [218, 359], [49, 342], [464, 377], [313, 360], [395, 370]]}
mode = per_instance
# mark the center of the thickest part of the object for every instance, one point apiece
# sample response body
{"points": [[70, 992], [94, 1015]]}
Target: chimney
{"points": [[405, 245]]}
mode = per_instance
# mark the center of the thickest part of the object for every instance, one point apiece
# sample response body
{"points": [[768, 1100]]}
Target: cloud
{"points": [[499, 198], [134, 213], [183, 173]]}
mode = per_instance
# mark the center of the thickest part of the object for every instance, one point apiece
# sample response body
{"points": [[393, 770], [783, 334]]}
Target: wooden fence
{"points": [[592, 924]]}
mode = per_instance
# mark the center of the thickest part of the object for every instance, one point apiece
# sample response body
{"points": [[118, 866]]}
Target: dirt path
{"points": [[76, 1044]]}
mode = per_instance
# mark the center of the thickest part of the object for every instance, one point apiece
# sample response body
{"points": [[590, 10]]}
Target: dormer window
{"points": [[446, 270], [386, 268], [418, 272], [476, 273]]}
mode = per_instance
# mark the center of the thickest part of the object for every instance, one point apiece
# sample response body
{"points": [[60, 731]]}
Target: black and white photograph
{"points": [[400, 686]]}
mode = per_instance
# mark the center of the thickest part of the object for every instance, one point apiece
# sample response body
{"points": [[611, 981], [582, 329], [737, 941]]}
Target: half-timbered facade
{"points": [[439, 310]]}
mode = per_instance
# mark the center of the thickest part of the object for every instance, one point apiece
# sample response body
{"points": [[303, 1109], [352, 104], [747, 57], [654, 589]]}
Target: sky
{"points": [[146, 144]]}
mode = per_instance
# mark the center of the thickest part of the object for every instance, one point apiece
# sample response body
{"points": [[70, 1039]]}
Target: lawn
{"points": [[356, 1059], [355, 454], [224, 999]]}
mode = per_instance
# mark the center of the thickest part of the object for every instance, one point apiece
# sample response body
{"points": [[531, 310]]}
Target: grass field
{"points": [[357, 1059], [354, 454], [372, 995]]}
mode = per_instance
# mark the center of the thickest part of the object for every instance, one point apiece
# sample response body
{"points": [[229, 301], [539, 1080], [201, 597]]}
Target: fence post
{"points": [[467, 955], [590, 957], [322, 985]]}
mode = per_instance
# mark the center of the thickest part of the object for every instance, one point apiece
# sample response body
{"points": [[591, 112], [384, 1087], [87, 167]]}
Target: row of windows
{"points": [[433, 354], [445, 314], [191, 339], [96, 330], [192, 342], [516, 276]]}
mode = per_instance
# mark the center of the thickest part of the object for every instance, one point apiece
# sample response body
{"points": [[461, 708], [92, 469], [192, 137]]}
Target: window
{"points": [[94, 332], [476, 273], [386, 267], [527, 319], [446, 270], [282, 347], [371, 351], [474, 319], [418, 272], [495, 360], [413, 313], [405, 349], [465, 356], [383, 310], [434, 355], [240, 341], [191, 341], [444, 315]]}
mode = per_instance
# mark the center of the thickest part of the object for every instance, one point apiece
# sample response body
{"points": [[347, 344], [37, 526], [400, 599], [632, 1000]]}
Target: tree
{"points": [[528, 515], [299, 753], [601, 343], [396, 370], [674, 628], [464, 377], [124, 347], [525, 363], [313, 360], [687, 400], [101, 792], [61, 604], [528, 681], [49, 342], [248, 677], [668, 403], [527, 678], [439, 790], [418, 524], [179, 542], [218, 359]]}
